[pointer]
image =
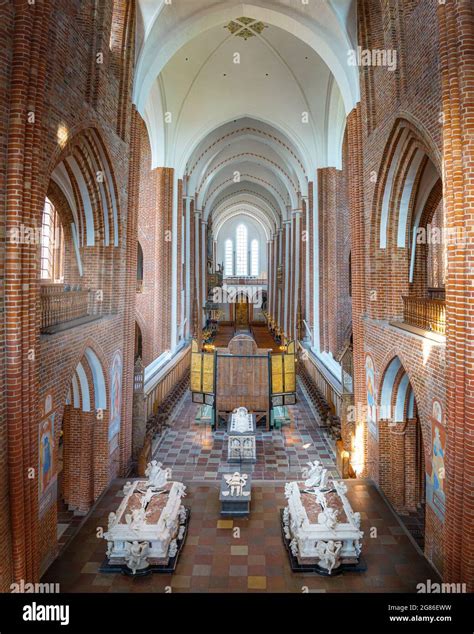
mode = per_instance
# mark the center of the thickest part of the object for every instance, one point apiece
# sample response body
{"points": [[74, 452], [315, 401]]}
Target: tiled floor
{"points": [[194, 453], [217, 557], [415, 524]]}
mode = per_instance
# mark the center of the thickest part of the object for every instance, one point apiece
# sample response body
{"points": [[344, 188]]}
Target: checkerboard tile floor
{"points": [[196, 454], [218, 558]]}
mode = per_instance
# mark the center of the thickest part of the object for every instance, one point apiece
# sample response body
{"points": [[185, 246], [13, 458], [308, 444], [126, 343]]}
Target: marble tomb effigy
{"points": [[148, 530], [321, 531], [241, 431]]}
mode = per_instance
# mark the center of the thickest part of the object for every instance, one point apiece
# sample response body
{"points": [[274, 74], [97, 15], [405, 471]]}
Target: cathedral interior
{"points": [[236, 285]]}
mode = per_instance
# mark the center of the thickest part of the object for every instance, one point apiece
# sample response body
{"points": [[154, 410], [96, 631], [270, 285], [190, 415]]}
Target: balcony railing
{"points": [[62, 303], [245, 281], [427, 314]]}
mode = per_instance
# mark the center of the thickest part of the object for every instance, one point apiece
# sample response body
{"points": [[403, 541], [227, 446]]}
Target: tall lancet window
{"points": [[229, 258], [254, 258], [52, 245], [241, 251]]}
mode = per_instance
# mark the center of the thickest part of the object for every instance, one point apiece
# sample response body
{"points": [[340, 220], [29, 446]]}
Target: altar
{"points": [[241, 430], [320, 530], [148, 530]]}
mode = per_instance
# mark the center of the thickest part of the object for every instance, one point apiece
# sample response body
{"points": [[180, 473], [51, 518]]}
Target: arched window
{"points": [[254, 258], [241, 251], [52, 245], [229, 257]]}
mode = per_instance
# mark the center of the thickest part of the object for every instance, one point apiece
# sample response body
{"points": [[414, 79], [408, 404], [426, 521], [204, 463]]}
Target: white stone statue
{"points": [[137, 556], [157, 476], [294, 547], [240, 420], [340, 486], [173, 549], [136, 519], [127, 488], [112, 520], [328, 553], [236, 483], [313, 473], [356, 518], [328, 518], [149, 493]]}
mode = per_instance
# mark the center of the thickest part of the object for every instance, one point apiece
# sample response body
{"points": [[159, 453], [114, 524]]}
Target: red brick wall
{"points": [[380, 276], [6, 53], [153, 305], [334, 251], [52, 59]]}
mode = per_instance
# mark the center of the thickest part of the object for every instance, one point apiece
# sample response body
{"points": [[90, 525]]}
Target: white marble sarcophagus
{"points": [[241, 437], [149, 527], [320, 528]]}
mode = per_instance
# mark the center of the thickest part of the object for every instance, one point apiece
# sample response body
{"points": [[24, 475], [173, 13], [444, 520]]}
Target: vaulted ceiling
{"points": [[246, 101]]}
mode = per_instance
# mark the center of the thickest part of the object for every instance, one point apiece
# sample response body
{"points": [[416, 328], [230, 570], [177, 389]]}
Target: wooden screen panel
{"points": [[196, 368], [284, 371], [277, 373], [202, 371], [242, 382], [208, 373], [289, 376]]}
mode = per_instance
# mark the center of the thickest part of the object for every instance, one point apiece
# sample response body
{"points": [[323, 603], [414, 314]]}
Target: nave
{"points": [[236, 255], [213, 559]]}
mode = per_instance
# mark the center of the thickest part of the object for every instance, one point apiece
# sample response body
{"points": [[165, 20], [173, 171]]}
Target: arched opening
{"points": [[410, 234], [80, 230], [401, 450], [241, 254], [84, 450], [138, 342], [52, 244], [229, 258]]}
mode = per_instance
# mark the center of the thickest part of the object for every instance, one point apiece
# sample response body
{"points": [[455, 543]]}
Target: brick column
{"points": [[280, 292], [274, 304], [164, 248], [24, 202], [457, 74], [203, 267], [311, 254], [126, 430], [269, 274], [296, 276], [188, 259], [197, 273], [356, 201], [180, 223], [304, 287], [285, 308]]}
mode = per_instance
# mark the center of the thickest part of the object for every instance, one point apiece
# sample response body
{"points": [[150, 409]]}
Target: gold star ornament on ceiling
{"points": [[245, 27]]}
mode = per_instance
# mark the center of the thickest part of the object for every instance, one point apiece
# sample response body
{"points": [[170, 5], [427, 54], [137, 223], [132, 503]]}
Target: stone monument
{"points": [[148, 530]]}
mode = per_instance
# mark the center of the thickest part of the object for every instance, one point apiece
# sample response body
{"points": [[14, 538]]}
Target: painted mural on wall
{"points": [[47, 476], [115, 394], [435, 473], [371, 400], [46, 447]]}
